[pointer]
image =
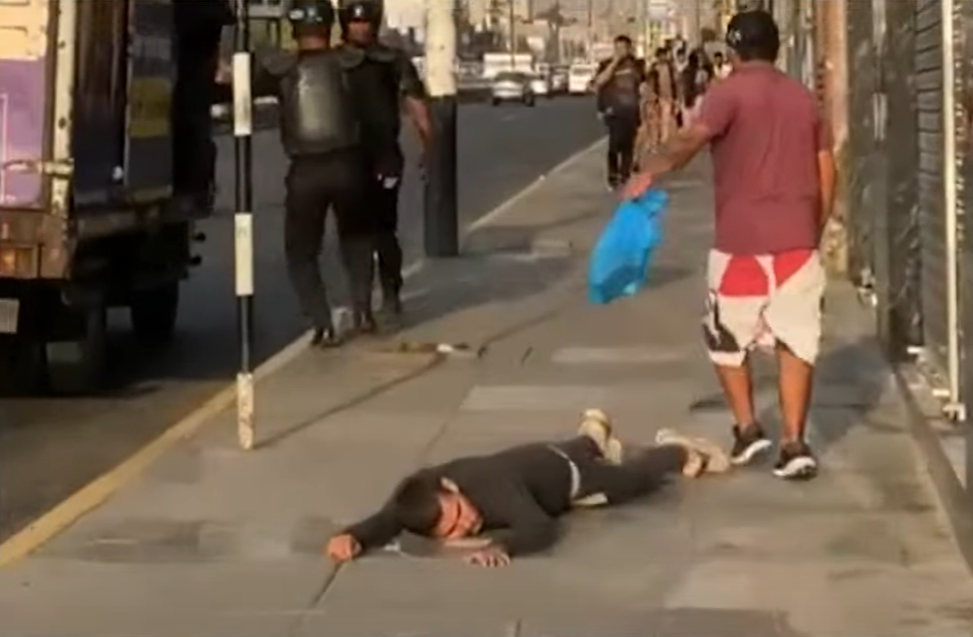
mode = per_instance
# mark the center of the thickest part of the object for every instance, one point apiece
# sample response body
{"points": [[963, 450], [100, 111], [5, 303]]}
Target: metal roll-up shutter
{"points": [[859, 156], [904, 327], [932, 216]]}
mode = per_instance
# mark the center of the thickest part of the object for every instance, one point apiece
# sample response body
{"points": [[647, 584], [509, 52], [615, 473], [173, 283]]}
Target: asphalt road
{"points": [[49, 448]]}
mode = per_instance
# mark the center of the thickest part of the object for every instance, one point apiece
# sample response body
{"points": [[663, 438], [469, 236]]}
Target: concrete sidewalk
{"points": [[213, 542]]}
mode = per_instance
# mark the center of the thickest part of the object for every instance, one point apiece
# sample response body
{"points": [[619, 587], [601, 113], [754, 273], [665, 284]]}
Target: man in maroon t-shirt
{"points": [[775, 173]]}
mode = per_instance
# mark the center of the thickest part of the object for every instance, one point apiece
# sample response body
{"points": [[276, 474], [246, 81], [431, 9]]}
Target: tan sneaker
{"points": [[714, 458], [596, 425]]}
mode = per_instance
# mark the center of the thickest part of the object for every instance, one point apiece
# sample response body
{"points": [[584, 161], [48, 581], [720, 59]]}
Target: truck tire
{"points": [[153, 313], [77, 367]]}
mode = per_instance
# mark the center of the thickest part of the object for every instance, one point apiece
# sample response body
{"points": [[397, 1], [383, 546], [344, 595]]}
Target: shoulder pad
{"points": [[382, 53], [350, 57]]}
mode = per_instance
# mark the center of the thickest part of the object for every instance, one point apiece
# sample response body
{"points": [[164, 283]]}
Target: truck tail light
{"points": [[16, 262]]}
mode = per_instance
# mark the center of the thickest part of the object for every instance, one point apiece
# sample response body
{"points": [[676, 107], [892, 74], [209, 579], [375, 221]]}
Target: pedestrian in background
{"points": [[774, 170], [618, 84]]}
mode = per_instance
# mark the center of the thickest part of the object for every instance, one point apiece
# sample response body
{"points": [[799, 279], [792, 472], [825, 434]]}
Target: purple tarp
{"points": [[22, 114]]}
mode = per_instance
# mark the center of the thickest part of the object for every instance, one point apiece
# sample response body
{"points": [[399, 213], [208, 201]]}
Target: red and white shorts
{"points": [[761, 301]]}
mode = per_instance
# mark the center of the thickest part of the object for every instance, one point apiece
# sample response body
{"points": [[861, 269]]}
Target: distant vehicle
{"points": [[559, 79], [540, 85], [512, 87], [580, 77], [494, 63]]}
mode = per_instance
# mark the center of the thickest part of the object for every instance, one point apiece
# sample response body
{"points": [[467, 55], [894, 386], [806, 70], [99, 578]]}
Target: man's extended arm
{"points": [[529, 529], [377, 530]]}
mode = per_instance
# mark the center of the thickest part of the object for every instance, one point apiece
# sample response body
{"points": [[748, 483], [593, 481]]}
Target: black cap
{"points": [[311, 13], [754, 29]]}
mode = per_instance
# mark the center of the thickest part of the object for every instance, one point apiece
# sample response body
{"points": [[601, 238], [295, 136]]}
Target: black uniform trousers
{"points": [[336, 181], [383, 207], [623, 127]]}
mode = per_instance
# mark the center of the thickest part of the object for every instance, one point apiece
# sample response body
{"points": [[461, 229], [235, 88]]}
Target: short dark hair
{"points": [[623, 39], [417, 504], [754, 35]]}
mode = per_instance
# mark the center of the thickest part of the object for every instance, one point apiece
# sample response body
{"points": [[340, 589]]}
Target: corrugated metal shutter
{"points": [[904, 293], [929, 100], [860, 154]]}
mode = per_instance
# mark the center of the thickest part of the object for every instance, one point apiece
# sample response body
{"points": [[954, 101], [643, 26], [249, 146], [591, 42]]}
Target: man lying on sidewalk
{"points": [[515, 496], [775, 177]]}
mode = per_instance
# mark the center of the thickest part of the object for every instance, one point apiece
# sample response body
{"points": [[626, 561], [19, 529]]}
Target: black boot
{"points": [[358, 256]]}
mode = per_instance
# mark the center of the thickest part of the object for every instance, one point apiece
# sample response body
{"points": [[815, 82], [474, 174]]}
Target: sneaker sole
{"points": [[716, 460], [755, 449], [802, 468], [595, 425]]}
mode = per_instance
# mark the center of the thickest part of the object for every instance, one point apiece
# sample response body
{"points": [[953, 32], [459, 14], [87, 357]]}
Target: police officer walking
{"points": [[321, 127], [390, 83]]}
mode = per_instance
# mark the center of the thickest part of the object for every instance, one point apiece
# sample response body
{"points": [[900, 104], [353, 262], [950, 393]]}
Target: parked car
{"points": [[579, 78], [512, 87], [559, 80], [540, 85]]}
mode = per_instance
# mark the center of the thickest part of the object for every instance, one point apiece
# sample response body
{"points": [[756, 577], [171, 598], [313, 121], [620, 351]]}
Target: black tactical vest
{"points": [[317, 113]]}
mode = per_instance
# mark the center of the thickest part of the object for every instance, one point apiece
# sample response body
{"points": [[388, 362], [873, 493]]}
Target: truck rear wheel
{"points": [[77, 367], [153, 312]]}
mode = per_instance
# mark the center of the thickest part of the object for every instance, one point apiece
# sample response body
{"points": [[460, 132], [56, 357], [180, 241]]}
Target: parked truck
{"points": [[86, 215]]}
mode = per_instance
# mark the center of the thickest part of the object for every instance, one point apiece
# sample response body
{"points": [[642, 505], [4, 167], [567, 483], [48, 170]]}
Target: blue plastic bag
{"points": [[619, 263]]}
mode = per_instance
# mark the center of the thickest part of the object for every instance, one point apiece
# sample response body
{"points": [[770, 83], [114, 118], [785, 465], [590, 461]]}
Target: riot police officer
{"points": [[393, 85], [321, 125]]}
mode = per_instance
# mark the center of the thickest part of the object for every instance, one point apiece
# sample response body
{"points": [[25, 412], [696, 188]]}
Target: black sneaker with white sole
{"points": [[796, 462], [748, 443]]}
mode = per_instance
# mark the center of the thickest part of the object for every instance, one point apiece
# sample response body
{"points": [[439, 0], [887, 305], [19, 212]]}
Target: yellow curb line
{"points": [[99, 490]]}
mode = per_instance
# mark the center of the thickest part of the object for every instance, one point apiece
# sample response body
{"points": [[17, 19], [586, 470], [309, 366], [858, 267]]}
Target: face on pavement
{"points": [[458, 517], [360, 32]]}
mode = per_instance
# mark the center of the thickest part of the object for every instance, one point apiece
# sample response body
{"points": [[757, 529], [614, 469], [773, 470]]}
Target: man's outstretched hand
{"points": [[637, 185], [489, 558], [342, 548]]}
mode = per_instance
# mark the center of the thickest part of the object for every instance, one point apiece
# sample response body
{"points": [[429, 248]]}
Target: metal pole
{"points": [[954, 406], [512, 34], [243, 220], [441, 202], [591, 27]]}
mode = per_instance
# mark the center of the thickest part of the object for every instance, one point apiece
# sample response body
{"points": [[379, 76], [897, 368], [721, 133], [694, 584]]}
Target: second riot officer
{"points": [[393, 85], [321, 128]]}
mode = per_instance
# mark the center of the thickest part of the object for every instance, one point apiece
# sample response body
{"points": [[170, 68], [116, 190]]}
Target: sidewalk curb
{"points": [[954, 499], [60, 517]]}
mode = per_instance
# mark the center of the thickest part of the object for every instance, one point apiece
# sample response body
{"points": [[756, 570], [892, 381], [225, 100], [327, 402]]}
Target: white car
{"points": [[540, 85], [511, 87], [579, 78]]}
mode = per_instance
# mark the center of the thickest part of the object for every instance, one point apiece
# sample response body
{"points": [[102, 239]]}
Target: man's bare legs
{"points": [[795, 381], [749, 438]]}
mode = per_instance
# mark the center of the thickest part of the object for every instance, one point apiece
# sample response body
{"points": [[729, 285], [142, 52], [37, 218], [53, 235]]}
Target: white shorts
{"points": [[763, 301]]}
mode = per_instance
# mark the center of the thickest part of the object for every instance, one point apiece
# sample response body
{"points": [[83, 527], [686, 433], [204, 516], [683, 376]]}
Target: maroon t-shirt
{"points": [[766, 133]]}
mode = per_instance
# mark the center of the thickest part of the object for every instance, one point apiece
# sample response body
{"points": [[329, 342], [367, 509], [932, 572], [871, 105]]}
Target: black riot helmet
{"points": [[754, 35], [360, 11], [311, 14]]}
